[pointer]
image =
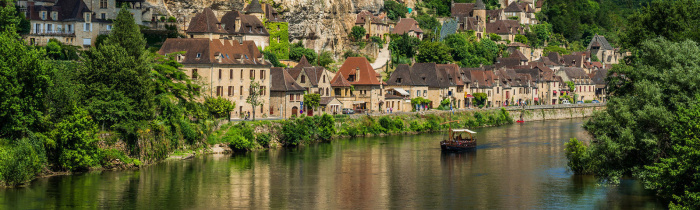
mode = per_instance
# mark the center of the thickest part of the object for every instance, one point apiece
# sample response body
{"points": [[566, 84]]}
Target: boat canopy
{"points": [[463, 131]]}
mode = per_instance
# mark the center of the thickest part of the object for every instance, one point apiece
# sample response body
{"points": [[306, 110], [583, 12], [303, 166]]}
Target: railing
{"points": [[54, 33], [105, 32]]}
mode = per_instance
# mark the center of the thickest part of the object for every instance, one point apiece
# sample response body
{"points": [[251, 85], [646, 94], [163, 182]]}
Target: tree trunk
{"points": [[254, 113]]}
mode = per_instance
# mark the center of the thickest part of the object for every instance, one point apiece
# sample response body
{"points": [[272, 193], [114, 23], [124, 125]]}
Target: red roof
{"points": [[359, 65]]}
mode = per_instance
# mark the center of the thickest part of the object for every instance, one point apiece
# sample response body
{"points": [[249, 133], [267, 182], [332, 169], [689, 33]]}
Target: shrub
{"points": [[352, 131], [416, 126], [293, 132], [20, 160], [398, 124], [73, 142], [357, 32], [386, 123], [239, 143], [263, 139], [188, 132], [576, 153], [326, 127], [219, 107], [480, 119]]}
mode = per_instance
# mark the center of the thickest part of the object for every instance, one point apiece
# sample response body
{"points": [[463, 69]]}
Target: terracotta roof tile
{"points": [[406, 25], [205, 22], [359, 65]]}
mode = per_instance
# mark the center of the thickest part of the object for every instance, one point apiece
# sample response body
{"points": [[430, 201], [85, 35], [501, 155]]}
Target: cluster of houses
{"points": [[224, 55]]}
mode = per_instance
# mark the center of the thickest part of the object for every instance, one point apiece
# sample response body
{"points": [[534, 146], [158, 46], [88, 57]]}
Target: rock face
{"points": [[322, 25]]}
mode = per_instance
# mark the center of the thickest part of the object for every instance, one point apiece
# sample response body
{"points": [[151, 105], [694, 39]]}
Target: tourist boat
{"points": [[458, 141]]}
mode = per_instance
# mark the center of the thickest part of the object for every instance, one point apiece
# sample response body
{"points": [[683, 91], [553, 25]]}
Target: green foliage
{"points": [[404, 45], [419, 100], [58, 51], [272, 57], [357, 33], [126, 34], [172, 19], [557, 49], [582, 19], [240, 137], [651, 139], [279, 39], [434, 52], [494, 37], [415, 126], [219, 107], [386, 123], [170, 79], [263, 139], [73, 143], [9, 17], [20, 160], [428, 22], [312, 100], [378, 41], [327, 127], [673, 20], [539, 33], [298, 51], [325, 59], [395, 10], [24, 82], [480, 99], [522, 39]]}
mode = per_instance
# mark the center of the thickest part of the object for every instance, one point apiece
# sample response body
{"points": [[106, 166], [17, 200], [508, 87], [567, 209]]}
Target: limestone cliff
{"points": [[321, 24]]}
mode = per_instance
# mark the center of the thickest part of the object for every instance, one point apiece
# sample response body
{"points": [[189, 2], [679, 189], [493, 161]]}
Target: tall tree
{"points": [[433, 52], [9, 21], [254, 97], [127, 34]]}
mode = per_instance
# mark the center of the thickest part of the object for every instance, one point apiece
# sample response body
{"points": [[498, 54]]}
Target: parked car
{"points": [[579, 102], [595, 101], [565, 102], [348, 111]]}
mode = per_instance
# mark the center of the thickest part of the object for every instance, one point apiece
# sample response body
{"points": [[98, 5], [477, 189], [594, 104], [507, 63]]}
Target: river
{"points": [[514, 167]]}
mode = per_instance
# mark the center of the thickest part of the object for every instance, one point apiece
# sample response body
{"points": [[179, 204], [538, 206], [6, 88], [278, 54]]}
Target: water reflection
{"points": [[514, 167]]}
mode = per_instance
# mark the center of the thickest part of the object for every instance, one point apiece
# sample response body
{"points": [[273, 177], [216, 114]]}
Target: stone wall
{"points": [[557, 112]]}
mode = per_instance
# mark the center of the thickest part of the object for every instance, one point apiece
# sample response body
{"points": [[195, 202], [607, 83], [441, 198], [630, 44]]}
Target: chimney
{"points": [[237, 24]]}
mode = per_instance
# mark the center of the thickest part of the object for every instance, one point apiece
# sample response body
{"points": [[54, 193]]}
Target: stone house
{"points": [[471, 16], [406, 83], [545, 83], [234, 25], [366, 84], [70, 22], [506, 29], [374, 25], [225, 68], [285, 94], [315, 79], [583, 85], [483, 81], [408, 26], [342, 90], [522, 12], [108, 9], [205, 25], [458, 84], [598, 77], [601, 48]]}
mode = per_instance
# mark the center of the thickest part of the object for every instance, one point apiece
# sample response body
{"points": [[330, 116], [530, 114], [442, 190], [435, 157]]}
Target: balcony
{"points": [[54, 33]]}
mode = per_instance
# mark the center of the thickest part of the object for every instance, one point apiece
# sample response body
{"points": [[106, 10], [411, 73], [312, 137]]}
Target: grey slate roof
{"points": [[253, 7], [600, 41]]}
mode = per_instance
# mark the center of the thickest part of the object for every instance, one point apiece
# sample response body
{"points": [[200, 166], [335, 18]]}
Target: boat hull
{"points": [[457, 146]]}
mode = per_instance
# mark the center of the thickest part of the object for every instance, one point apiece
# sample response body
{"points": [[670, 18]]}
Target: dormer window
{"points": [[398, 80], [54, 15], [87, 17], [423, 78], [199, 55], [43, 15]]}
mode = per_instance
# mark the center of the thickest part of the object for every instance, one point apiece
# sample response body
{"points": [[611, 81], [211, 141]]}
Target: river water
{"points": [[514, 167]]}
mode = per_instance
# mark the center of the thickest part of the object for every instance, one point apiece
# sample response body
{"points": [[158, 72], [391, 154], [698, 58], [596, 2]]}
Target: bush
{"points": [[219, 107], [20, 160], [73, 142], [357, 32], [263, 139], [239, 143], [352, 131], [188, 132], [398, 124], [416, 126], [326, 126], [575, 152], [386, 123]]}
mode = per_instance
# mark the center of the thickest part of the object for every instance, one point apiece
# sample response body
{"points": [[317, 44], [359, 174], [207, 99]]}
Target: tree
{"points": [[73, 142], [272, 57], [404, 45], [645, 130], [521, 38], [219, 107], [674, 20], [9, 20], [298, 51], [171, 80], [325, 59], [117, 76], [312, 100], [254, 97], [428, 22], [24, 82], [433, 52], [357, 33], [480, 99], [395, 10]]}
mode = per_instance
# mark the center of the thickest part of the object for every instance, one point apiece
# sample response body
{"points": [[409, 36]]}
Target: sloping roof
{"points": [[250, 24], [253, 7], [519, 55], [539, 4], [68, 10], [406, 25], [480, 5], [494, 14], [205, 22], [599, 76], [282, 81], [365, 15], [507, 62], [555, 58], [327, 100], [575, 73], [525, 7], [600, 41], [462, 9], [205, 51], [359, 65], [573, 60], [429, 75], [315, 74], [517, 44], [504, 27], [340, 81], [402, 73], [452, 75], [303, 63], [513, 7]]}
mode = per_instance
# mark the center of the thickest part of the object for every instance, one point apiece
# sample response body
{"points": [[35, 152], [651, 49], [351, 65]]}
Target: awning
{"points": [[468, 96], [401, 91], [463, 130], [537, 99], [358, 102]]}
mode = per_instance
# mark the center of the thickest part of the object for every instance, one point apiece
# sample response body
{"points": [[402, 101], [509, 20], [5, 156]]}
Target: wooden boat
{"points": [[458, 141]]}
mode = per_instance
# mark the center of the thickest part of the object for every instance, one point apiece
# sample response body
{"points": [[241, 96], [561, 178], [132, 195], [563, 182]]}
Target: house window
{"points": [[337, 91], [230, 90], [241, 73], [327, 94], [49, 28], [43, 15], [87, 17], [219, 73], [103, 4], [87, 27], [54, 15], [262, 90], [398, 80], [103, 16], [291, 97], [230, 74], [194, 74], [425, 93], [218, 90], [351, 78], [324, 78], [70, 28], [303, 79], [252, 74], [199, 55], [262, 74]]}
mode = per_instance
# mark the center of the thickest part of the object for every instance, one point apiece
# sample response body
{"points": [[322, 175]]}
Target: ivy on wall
{"points": [[279, 39]]}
